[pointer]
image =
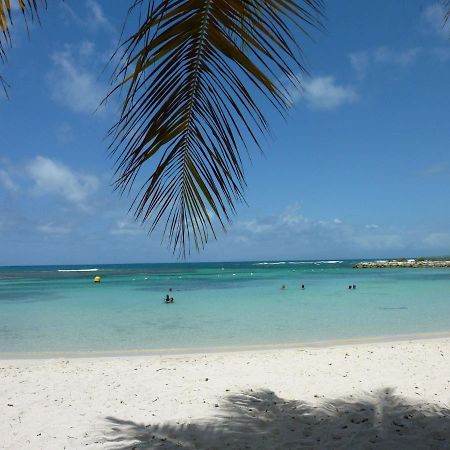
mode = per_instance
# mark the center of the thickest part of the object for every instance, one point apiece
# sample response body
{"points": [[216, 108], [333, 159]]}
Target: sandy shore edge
{"points": [[223, 349]]}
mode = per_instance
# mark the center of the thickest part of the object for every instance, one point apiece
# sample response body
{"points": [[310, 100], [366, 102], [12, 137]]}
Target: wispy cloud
{"points": [[326, 94], [93, 18], [292, 231], [435, 169], [53, 229], [433, 16], [73, 84], [127, 227], [7, 182], [364, 60], [397, 57], [360, 63], [97, 17], [53, 177]]}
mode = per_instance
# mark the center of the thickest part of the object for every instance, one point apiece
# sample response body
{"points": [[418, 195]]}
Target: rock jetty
{"points": [[403, 263]]}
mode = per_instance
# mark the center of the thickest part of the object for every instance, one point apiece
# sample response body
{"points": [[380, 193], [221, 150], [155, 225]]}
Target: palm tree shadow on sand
{"points": [[261, 420]]}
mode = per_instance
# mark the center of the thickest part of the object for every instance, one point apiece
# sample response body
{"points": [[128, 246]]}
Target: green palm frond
{"points": [[196, 74]]}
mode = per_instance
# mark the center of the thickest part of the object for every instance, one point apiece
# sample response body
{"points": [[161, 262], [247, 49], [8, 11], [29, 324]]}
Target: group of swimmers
{"points": [[168, 299]]}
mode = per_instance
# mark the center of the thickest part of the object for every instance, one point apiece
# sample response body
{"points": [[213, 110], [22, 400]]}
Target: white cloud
{"points": [[7, 182], [73, 84], [254, 226], [360, 63], [433, 15], [293, 233], [400, 58], [325, 93], [127, 227], [96, 16], [52, 229], [52, 177]]}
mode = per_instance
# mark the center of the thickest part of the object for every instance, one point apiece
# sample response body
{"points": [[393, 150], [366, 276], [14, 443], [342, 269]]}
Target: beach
{"points": [[379, 395]]}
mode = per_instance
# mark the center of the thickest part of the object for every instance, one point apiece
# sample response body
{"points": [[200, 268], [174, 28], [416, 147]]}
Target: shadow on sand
{"points": [[261, 420]]}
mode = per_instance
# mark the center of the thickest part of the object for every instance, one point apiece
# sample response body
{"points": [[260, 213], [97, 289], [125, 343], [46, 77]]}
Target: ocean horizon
{"points": [[216, 305]]}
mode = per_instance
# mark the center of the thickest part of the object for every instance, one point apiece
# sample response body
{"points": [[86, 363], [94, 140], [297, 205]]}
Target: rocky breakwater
{"points": [[407, 263]]}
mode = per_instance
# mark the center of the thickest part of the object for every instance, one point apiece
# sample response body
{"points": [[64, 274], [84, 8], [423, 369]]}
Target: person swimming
{"points": [[354, 286], [168, 299], [303, 286], [349, 286], [283, 286]]}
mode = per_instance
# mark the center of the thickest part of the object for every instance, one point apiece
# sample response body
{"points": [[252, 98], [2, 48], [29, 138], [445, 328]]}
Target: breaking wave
{"points": [[277, 263], [77, 270]]}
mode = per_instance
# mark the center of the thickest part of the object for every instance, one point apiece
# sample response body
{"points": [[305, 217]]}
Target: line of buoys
{"points": [[283, 286]]}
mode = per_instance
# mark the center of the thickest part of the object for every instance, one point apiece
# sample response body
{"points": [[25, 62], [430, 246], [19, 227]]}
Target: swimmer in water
{"points": [[303, 286], [354, 286], [349, 286], [283, 287]]}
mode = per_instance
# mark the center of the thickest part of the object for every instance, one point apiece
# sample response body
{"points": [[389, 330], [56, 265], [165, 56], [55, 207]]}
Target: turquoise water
{"points": [[216, 304]]}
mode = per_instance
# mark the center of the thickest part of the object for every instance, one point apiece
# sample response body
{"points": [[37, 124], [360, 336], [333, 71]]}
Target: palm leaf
{"points": [[30, 11], [197, 76]]}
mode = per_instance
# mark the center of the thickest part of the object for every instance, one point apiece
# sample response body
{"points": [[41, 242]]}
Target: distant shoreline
{"points": [[408, 263]]}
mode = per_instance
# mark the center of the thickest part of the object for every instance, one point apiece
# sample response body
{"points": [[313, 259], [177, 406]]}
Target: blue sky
{"points": [[360, 168]]}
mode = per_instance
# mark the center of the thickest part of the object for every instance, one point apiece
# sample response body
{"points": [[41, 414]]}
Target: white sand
{"points": [[383, 396]]}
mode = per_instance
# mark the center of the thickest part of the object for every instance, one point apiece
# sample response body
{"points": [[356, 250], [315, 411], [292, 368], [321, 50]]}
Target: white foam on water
{"points": [[77, 270], [270, 263], [329, 262], [277, 263]]}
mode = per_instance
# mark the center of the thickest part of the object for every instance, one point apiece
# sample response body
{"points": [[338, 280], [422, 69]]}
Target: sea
{"points": [[60, 310]]}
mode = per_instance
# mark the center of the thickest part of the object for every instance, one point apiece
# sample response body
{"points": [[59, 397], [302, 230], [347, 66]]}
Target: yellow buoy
{"points": [[97, 279]]}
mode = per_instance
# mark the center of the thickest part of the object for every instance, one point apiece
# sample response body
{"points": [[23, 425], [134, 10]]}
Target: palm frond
{"points": [[195, 76], [30, 10]]}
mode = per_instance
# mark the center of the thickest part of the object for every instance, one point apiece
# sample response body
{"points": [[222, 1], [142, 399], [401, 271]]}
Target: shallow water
{"points": [[216, 304]]}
